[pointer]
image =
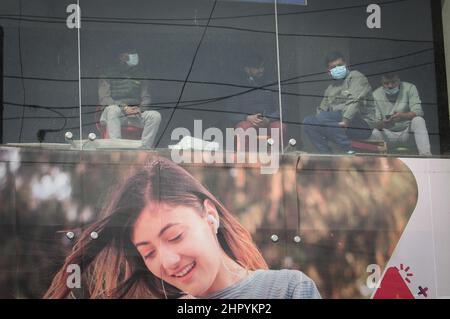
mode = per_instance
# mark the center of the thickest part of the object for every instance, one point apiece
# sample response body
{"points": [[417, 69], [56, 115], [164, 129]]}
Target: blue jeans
{"points": [[324, 127]]}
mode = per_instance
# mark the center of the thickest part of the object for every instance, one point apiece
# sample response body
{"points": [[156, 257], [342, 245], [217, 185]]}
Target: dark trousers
{"points": [[324, 127]]}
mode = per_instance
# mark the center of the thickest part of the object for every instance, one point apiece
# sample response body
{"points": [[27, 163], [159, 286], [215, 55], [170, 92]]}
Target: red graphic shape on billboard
{"points": [[393, 286]]}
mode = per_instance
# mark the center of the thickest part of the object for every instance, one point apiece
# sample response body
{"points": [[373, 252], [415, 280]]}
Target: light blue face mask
{"points": [[392, 91], [133, 59], [339, 72]]}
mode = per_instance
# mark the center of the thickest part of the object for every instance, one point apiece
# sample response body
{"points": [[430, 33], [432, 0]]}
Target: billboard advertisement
{"points": [[137, 225]]}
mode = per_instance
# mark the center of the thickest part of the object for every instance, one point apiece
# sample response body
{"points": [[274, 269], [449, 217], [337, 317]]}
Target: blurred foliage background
{"points": [[349, 212]]}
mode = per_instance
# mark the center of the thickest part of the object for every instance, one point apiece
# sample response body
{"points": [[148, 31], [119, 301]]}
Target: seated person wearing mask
{"points": [[399, 113], [346, 111], [127, 99], [257, 108]]}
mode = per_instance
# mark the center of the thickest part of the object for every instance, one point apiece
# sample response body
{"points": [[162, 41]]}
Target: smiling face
{"points": [[179, 246]]}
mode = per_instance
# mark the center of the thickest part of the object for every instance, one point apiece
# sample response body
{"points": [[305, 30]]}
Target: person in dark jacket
{"points": [[259, 107]]}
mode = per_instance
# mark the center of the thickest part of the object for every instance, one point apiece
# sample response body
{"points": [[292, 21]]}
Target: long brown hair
{"points": [[112, 266]]}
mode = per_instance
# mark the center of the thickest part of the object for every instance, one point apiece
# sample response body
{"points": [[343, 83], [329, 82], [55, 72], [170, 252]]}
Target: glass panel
{"points": [[401, 52], [193, 64], [40, 72], [50, 212]]}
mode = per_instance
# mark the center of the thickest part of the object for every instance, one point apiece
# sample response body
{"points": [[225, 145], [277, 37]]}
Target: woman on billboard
{"points": [[162, 234]]}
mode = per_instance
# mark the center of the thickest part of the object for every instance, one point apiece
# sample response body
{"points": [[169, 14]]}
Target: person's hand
{"points": [[255, 119], [135, 110], [396, 117], [132, 110], [344, 123], [381, 125], [388, 123]]}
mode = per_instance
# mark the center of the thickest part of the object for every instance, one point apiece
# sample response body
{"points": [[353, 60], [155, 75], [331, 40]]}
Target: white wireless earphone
{"points": [[211, 219]]}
